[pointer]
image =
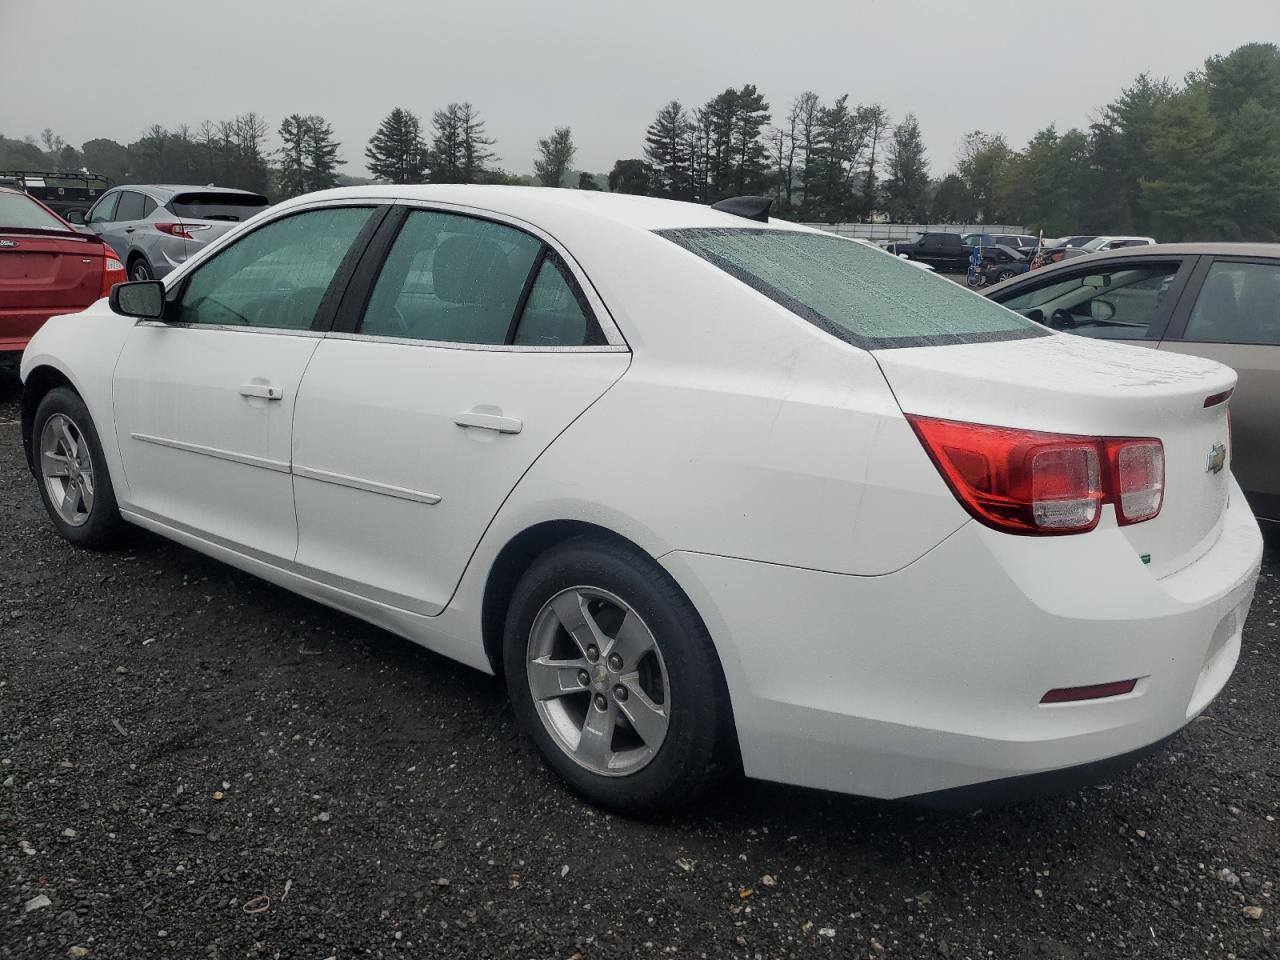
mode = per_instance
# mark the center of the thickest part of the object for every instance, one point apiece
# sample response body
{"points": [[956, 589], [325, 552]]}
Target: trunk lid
{"points": [[45, 273], [1070, 384]]}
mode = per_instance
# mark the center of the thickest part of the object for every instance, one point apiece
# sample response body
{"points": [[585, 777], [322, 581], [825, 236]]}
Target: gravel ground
{"points": [[198, 765]]}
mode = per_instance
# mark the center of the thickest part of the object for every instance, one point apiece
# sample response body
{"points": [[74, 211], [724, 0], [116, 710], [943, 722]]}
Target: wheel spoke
{"points": [[68, 440], [71, 501], [633, 640], [86, 491], [555, 678], [56, 465], [647, 718], [571, 609], [595, 746]]}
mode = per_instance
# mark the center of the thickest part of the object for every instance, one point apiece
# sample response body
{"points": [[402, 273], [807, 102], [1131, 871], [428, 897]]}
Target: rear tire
{"points": [[632, 711], [140, 269], [74, 483]]}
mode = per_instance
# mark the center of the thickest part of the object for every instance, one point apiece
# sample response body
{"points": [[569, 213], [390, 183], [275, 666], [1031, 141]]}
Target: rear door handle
{"points": [[261, 390], [130, 229], [489, 421]]}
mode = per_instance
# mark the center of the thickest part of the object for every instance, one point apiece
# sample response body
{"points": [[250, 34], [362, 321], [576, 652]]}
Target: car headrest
{"points": [[471, 270]]}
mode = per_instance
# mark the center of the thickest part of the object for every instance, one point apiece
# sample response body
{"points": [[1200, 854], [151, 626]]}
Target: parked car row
{"points": [[951, 252], [705, 490]]}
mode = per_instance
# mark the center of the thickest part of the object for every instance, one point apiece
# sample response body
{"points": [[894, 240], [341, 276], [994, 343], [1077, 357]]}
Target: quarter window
{"points": [[1239, 303], [457, 279], [277, 275], [1118, 304], [556, 314]]}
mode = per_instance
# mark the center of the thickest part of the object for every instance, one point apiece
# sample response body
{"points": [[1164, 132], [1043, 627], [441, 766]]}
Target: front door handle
{"points": [[489, 421], [262, 391]]}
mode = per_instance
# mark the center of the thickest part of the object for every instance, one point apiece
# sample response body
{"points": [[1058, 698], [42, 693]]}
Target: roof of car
{"points": [[169, 189], [543, 204]]}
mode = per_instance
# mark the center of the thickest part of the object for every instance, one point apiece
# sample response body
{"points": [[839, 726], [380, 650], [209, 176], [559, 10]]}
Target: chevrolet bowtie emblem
{"points": [[1217, 458]]}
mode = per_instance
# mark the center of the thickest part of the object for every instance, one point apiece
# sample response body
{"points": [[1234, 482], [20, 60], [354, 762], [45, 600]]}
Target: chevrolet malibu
{"points": [[709, 490]]}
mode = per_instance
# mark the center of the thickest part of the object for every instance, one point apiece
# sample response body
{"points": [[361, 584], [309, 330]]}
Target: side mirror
{"points": [[143, 299], [1101, 310], [75, 216]]}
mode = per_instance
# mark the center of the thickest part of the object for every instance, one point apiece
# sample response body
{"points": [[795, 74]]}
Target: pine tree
{"points": [[444, 160], [907, 184], [475, 145], [396, 152], [556, 152], [321, 154], [291, 178], [666, 148]]}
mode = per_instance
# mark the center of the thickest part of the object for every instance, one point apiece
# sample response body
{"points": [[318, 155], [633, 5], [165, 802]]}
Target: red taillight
{"points": [[112, 273], [1036, 483], [183, 230]]}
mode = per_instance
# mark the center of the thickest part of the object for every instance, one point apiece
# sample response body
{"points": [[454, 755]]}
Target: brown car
{"points": [[1216, 300]]}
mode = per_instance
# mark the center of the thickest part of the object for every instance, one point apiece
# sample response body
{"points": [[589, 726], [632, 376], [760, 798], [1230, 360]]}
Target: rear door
{"points": [[465, 348], [1234, 317], [1129, 299], [204, 401]]}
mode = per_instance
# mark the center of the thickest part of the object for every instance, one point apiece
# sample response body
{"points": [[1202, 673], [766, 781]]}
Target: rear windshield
{"points": [[19, 211], [866, 297], [217, 206]]}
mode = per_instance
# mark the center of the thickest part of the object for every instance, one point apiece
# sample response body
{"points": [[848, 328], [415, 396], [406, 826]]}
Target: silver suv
{"points": [[156, 227]]}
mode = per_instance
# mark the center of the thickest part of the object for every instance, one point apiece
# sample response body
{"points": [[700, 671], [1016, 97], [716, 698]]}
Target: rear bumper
{"points": [[930, 679]]}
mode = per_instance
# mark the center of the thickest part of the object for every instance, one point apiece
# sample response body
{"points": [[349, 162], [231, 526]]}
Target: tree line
{"points": [[1193, 159]]}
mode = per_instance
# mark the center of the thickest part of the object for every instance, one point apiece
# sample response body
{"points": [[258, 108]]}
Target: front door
{"points": [[1236, 320], [204, 401], [1121, 299], [476, 349]]}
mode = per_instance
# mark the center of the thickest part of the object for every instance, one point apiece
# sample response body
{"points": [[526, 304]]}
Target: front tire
{"points": [[74, 483], [613, 676]]}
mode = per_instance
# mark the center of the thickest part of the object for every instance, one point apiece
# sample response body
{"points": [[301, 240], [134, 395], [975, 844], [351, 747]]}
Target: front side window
{"points": [[1119, 303], [131, 205], [277, 275], [1239, 303], [105, 209], [852, 291], [456, 279]]}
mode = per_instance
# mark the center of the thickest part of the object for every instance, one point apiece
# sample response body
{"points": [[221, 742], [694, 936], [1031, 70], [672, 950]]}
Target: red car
{"points": [[47, 267]]}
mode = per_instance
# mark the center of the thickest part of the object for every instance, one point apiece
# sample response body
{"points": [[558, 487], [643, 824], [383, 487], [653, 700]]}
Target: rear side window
{"points": [[231, 207], [19, 211], [456, 279], [863, 296], [1239, 303], [131, 206]]}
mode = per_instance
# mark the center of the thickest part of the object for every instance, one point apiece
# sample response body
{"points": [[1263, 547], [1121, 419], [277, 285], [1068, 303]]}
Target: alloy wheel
{"points": [[67, 469], [598, 680]]}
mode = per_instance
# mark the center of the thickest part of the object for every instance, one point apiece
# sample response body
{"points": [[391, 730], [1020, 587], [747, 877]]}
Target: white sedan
{"points": [[707, 490]]}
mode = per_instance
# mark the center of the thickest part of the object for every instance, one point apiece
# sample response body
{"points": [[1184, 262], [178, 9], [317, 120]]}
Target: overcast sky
{"points": [[600, 67]]}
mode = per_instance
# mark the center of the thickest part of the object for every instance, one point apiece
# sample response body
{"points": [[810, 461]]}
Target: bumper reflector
{"points": [[1097, 691]]}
